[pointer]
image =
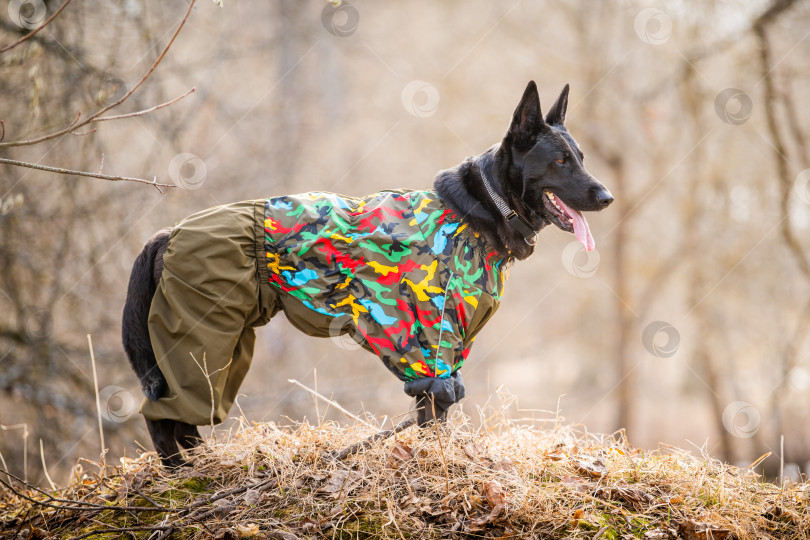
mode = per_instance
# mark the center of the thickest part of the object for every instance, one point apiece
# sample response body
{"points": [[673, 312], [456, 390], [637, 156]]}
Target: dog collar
{"points": [[515, 221]]}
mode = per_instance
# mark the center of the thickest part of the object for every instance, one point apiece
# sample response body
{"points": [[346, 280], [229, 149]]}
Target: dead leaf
{"points": [[281, 535], [437, 511], [341, 482], [309, 524], [693, 530], [401, 451], [576, 483], [773, 513], [447, 499], [472, 451], [480, 523], [555, 455], [660, 534], [252, 497], [247, 530], [494, 493], [504, 465], [225, 534], [590, 465], [633, 497]]}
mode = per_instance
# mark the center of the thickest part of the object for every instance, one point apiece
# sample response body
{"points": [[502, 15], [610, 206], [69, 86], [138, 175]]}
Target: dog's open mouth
{"points": [[568, 219]]}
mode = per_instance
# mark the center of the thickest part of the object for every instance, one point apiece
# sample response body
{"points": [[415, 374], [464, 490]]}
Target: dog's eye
{"points": [[561, 160]]}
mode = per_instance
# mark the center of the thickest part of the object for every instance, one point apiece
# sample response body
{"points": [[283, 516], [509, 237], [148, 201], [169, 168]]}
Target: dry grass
{"points": [[501, 480]]}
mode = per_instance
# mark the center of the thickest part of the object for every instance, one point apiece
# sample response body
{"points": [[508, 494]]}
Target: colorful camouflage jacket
{"points": [[398, 266]]}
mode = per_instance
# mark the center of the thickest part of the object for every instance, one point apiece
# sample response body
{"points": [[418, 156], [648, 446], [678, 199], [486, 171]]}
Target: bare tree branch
{"points": [[37, 29], [719, 47], [69, 172], [75, 125], [144, 111]]}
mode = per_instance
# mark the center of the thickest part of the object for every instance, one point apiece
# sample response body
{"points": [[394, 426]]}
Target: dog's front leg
{"points": [[427, 410], [434, 396]]}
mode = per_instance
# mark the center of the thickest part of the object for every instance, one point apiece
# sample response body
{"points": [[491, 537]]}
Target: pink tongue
{"points": [[581, 229]]}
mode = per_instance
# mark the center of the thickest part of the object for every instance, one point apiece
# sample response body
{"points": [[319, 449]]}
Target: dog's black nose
{"points": [[604, 198]]}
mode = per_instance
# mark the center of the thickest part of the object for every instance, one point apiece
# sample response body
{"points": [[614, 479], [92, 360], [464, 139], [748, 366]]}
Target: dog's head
{"points": [[545, 170]]}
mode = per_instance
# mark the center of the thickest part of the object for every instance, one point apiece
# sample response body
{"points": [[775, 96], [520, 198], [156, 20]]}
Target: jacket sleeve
{"points": [[448, 389], [448, 325]]}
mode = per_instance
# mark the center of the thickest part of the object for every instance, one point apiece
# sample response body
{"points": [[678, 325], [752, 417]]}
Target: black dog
{"points": [[505, 195]]}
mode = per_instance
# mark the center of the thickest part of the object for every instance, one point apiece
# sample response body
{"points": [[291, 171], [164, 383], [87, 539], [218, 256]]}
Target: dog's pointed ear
{"points": [[527, 121], [556, 115]]}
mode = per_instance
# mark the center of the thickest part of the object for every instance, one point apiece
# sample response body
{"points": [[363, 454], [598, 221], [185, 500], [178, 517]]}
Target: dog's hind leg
{"points": [[143, 282], [163, 437], [187, 435]]}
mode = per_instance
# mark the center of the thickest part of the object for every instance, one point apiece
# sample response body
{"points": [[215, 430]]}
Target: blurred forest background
{"points": [[687, 327]]}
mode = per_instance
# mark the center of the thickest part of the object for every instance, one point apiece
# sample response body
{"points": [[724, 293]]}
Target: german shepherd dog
{"points": [[507, 194]]}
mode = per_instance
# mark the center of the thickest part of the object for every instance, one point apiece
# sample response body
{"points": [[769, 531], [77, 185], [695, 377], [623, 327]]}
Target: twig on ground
{"points": [[146, 498], [362, 445], [68, 504], [133, 528]]}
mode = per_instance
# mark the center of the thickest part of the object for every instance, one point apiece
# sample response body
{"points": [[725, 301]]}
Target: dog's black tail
{"points": [[143, 283]]}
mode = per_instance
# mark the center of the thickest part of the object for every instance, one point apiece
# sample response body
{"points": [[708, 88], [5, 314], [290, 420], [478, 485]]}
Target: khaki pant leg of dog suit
{"points": [[207, 303]]}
